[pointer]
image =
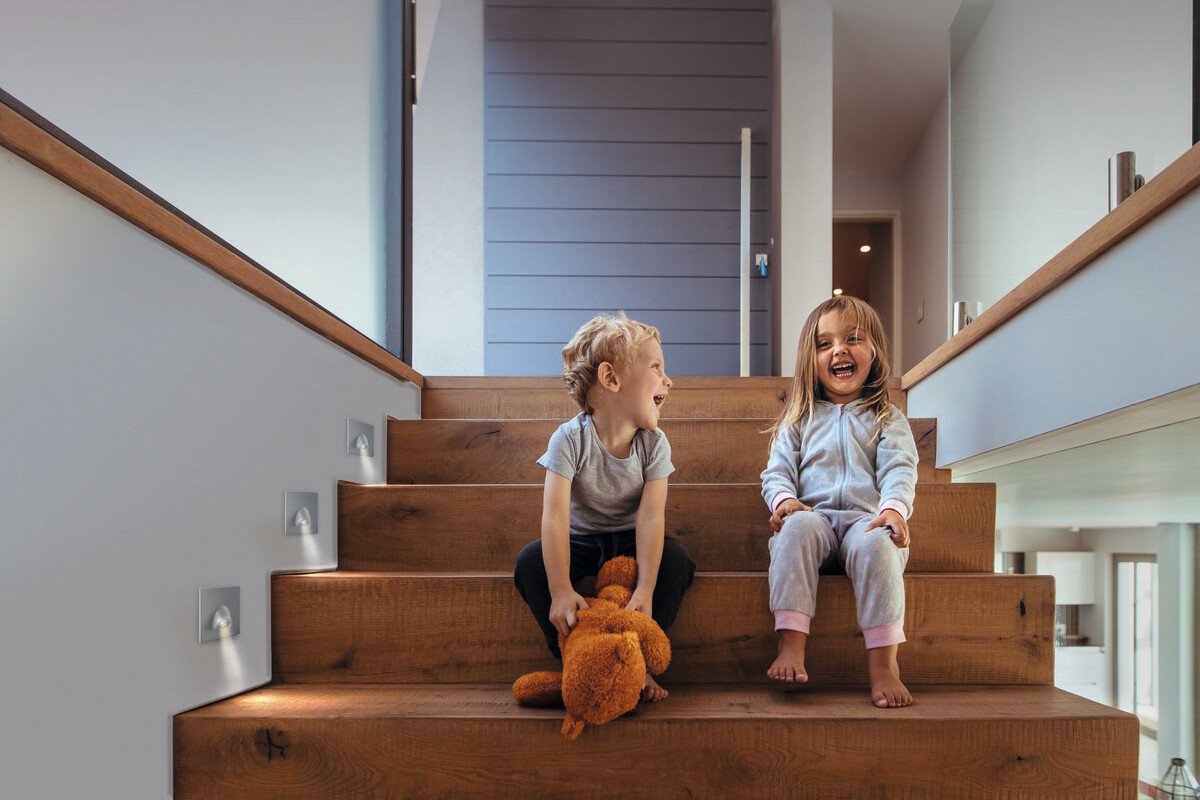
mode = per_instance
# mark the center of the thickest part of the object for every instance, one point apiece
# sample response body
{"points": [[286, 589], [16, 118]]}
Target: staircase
{"points": [[392, 675]]}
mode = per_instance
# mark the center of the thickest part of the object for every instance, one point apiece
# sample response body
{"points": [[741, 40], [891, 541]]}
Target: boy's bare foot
{"points": [[887, 690], [652, 692], [789, 662]]}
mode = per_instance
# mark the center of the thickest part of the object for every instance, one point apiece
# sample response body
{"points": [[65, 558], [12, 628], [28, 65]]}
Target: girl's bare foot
{"points": [[652, 692], [789, 661], [887, 690]]}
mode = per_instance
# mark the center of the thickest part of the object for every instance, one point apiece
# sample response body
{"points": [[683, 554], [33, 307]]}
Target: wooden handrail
{"points": [[40, 143], [1159, 193]]}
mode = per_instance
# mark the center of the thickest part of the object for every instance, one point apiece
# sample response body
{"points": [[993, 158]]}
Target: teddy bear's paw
{"points": [[572, 727], [539, 689]]}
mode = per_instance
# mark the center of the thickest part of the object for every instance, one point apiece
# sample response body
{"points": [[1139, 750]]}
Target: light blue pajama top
{"points": [[838, 463]]}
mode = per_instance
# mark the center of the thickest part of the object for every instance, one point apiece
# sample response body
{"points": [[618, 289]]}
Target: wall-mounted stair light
{"points": [[222, 620], [360, 438], [220, 612], [299, 513]]}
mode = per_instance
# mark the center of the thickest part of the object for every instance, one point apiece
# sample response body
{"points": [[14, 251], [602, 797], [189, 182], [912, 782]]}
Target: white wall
{"points": [[152, 417], [802, 222], [261, 120], [448, 275], [924, 307], [1044, 96], [1116, 334], [859, 191]]}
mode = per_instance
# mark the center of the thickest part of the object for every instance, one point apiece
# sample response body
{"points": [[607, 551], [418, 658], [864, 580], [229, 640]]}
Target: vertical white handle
{"points": [[745, 255]]}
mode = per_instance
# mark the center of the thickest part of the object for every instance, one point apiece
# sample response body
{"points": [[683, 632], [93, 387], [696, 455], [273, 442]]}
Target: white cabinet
{"points": [[1083, 671], [1074, 576]]}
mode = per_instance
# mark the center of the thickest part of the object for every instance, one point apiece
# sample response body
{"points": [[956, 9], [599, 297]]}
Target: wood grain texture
{"points": [[723, 526], [69, 163], [468, 741], [545, 398], [423, 451], [407, 627]]}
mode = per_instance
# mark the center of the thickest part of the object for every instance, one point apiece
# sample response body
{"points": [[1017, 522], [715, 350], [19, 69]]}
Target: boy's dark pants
{"points": [[588, 554]]}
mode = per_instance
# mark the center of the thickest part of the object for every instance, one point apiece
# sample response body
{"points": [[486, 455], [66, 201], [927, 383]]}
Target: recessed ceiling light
{"points": [[837, 292], [866, 248]]}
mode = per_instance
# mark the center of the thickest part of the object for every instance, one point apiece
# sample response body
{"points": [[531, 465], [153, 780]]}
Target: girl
{"points": [[840, 482]]}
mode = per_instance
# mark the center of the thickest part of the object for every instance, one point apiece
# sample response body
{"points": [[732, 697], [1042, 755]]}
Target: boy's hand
{"points": [[890, 518], [786, 509], [642, 601], [562, 610]]}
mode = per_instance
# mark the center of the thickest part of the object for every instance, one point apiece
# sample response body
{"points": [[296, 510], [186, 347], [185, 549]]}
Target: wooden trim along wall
{"points": [[1156, 196], [37, 141]]}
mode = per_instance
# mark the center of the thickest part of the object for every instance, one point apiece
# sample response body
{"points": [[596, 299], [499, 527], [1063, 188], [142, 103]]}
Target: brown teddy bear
{"points": [[605, 657]]}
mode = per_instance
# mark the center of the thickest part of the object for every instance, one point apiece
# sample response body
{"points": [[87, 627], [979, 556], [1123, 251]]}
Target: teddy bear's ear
{"points": [[619, 571]]}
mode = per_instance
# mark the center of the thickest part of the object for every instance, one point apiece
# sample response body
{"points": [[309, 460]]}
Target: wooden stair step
{"points": [[761, 741], [378, 627], [723, 526], [506, 451], [545, 397]]}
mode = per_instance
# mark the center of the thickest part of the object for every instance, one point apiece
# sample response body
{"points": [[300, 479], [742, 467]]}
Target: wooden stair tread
{"points": [[406, 527], [358, 627], [469, 741], [934, 702], [506, 450]]}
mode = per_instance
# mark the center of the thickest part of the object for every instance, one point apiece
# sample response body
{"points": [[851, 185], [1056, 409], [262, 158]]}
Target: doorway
{"points": [[1135, 651], [864, 255]]}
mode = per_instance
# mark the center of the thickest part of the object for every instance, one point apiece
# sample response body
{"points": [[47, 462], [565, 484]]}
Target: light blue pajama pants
{"points": [[815, 542]]}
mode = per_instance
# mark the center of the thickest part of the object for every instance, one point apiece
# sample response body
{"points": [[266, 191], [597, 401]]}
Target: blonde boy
{"points": [[606, 484]]}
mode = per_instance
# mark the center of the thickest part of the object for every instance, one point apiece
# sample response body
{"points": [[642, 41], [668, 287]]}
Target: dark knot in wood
{"points": [[272, 743]]}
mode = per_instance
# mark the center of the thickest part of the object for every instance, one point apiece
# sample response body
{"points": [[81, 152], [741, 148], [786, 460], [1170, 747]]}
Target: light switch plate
{"points": [[354, 429], [292, 503], [213, 598]]}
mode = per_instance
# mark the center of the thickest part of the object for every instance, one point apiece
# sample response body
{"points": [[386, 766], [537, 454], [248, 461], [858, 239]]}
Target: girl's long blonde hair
{"points": [[806, 386]]}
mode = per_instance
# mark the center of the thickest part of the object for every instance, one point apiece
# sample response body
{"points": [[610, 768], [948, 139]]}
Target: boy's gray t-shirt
{"points": [[605, 490]]}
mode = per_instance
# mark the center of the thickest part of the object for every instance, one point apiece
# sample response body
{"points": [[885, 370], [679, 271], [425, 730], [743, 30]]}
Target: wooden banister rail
{"points": [[39, 142], [1159, 193]]}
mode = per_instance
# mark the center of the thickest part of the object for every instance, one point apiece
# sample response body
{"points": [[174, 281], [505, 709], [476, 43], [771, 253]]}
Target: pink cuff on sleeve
{"points": [[897, 506], [789, 620], [779, 498]]}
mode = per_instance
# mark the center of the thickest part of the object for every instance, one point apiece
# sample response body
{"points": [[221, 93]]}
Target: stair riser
{"points": [[545, 398], [748, 758], [378, 627], [506, 451], [723, 526]]}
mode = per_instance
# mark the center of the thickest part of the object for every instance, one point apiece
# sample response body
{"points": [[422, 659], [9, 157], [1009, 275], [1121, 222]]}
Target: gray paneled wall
{"points": [[613, 162]]}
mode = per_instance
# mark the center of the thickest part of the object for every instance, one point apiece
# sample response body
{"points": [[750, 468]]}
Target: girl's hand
{"points": [[890, 518], [785, 509], [641, 601], [563, 608]]}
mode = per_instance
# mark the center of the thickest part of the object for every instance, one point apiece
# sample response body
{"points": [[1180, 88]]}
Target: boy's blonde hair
{"points": [[606, 337], [806, 386]]}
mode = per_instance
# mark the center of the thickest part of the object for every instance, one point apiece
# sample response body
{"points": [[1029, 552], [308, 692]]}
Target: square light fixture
{"points": [[220, 613], [360, 438], [299, 513]]}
